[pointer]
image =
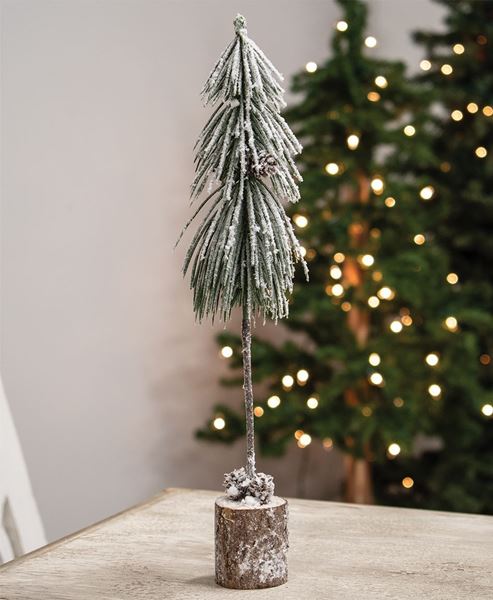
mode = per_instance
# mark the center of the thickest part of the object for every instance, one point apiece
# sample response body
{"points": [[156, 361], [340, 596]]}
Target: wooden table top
{"points": [[163, 549]]}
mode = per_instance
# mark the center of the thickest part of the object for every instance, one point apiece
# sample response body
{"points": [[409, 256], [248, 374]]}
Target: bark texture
{"points": [[246, 340], [251, 544]]}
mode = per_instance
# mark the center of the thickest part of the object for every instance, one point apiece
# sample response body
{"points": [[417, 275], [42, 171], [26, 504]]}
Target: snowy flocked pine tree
{"points": [[244, 251]]}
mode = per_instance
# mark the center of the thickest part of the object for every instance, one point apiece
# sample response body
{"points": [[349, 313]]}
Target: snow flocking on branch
{"points": [[244, 251]]}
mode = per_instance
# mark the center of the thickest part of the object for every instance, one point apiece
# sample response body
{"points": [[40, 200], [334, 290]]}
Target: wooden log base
{"points": [[251, 544]]}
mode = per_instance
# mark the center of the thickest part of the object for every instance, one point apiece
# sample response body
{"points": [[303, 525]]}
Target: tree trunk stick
{"points": [[246, 340]]}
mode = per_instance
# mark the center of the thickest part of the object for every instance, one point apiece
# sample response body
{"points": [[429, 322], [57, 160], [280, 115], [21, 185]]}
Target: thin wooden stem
{"points": [[246, 341]]}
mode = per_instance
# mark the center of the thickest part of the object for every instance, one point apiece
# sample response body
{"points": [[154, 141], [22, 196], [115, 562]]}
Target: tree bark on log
{"points": [[251, 544]]}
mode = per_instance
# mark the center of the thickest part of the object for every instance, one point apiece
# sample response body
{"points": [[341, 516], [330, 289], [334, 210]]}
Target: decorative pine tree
{"points": [[244, 251], [377, 347]]}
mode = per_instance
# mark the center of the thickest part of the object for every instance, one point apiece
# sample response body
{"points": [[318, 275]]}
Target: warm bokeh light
{"points": [[337, 290], [304, 440], [427, 192], [335, 272], [311, 67], [456, 115], [273, 402], [374, 359], [390, 202], [472, 107], [373, 96], [287, 381], [488, 110], [302, 376], [394, 449], [396, 326], [366, 260], [226, 352], [312, 403], [481, 152], [419, 239], [300, 220], [373, 302], [408, 482], [342, 26], [346, 306], [352, 141], [409, 130], [458, 49], [377, 185], [487, 410], [327, 443], [339, 257], [425, 65], [381, 81], [376, 378], [332, 168], [370, 41], [432, 359], [398, 402], [385, 293], [452, 278], [451, 323], [219, 423], [446, 69], [258, 411], [434, 390]]}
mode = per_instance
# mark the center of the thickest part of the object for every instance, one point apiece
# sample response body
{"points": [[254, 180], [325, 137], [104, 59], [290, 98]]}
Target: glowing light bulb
{"points": [[303, 251], [409, 130], [377, 185], [458, 49], [385, 293], [487, 410], [273, 402], [258, 411], [302, 376], [381, 81], [432, 359], [389, 202], [339, 257], [425, 65], [335, 272], [346, 306], [457, 115], [446, 69], [396, 326], [398, 402], [342, 26], [407, 320], [311, 67], [376, 378], [370, 41], [304, 440], [300, 220], [452, 278], [472, 107], [367, 260], [434, 390], [451, 323], [373, 96], [352, 141], [481, 152], [332, 168], [219, 423], [394, 449], [337, 290], [287, 381], [407, 482], [312, 403], [427, 192], [373, 302], [488, 110], [226, 352], [374, 359], [419, 239]]}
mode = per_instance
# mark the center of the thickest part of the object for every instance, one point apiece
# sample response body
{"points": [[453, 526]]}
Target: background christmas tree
{"points": [[377, 345], [458, 66]]}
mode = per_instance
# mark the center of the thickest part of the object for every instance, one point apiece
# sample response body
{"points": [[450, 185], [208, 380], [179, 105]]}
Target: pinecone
{"points": [[262, 487], [267, 165], [236, 484]]}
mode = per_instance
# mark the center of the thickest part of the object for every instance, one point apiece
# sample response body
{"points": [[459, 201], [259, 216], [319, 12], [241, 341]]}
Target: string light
{"points": [[485, 359], [481, 152], [432, 359], [385, 293], [389, 202], [373, 302], [451, 323], [226, 352], [419, 239], [366, 411], [427, 192], [337, 290], [472, 107], [409, 130], [452, 278], [457, 115], [377, 276], [298, 433], [373, 96], [425, 65], [366, 260], [434, 390], [458, 49], [335, 272], [407, 482], [376, 378], [398, 402], [311, 67], [312, 403], [346, 306], [396, 326], [327, 443], [219, 423], [407, 320], [339, 257], [482, 40], [394, 449], [304, 440], [488, 110], [287, 381], [381, 81], [273, 402], [352, 141], [300, 220], [487, 410], [258, 411], [376, 185], [446, 69], [302, 376], [370, 41], [303, 251], [332, 168], [342, 26], [374, 359]]}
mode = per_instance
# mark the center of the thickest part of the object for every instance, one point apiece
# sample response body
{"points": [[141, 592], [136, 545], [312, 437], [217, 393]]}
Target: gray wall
{"points": [[106, 372]]}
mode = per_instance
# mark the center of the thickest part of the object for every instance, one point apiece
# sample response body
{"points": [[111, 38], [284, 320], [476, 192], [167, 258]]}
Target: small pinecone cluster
{"points": [[267, 165], [239, 486]]}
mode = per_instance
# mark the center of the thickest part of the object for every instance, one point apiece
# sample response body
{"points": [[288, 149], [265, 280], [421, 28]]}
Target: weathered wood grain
{"points": [[165, 550]]}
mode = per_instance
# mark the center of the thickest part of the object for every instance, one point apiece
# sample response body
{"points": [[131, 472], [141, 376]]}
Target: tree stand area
{"points": [[251, 544]]}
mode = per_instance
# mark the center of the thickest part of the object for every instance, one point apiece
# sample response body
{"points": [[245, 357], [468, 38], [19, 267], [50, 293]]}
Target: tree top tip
{"points": [[240, 23]]}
